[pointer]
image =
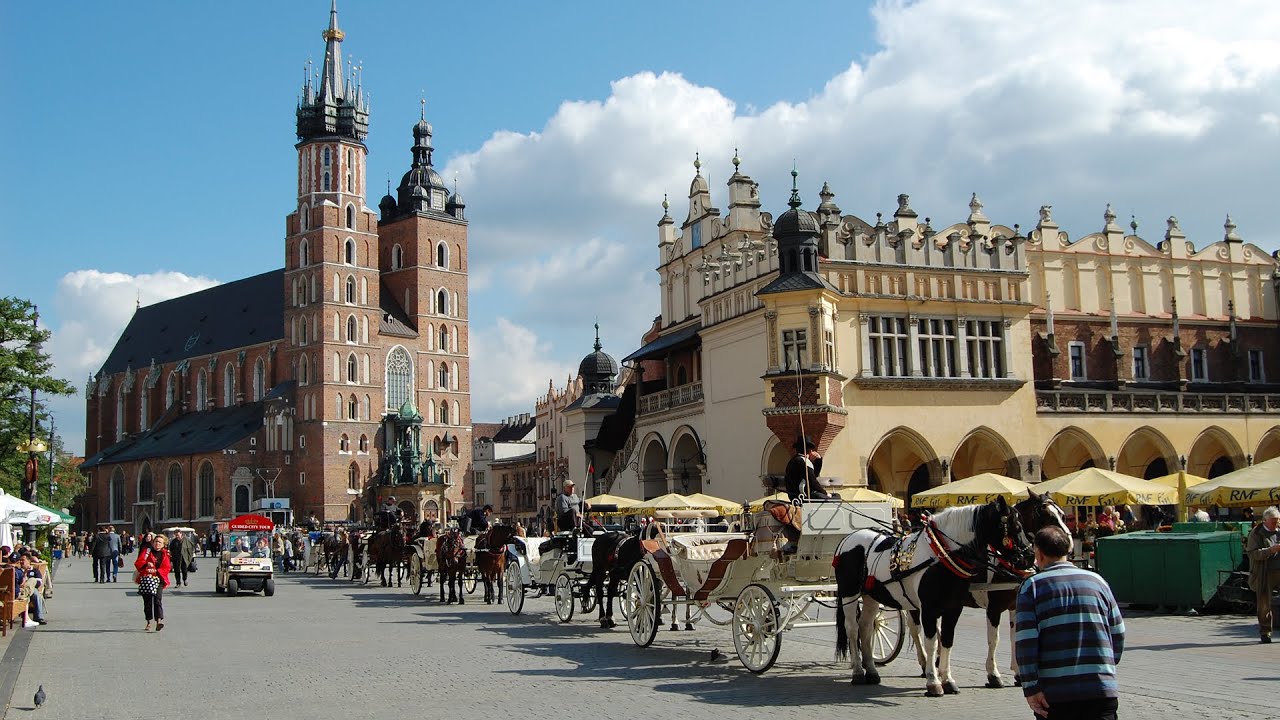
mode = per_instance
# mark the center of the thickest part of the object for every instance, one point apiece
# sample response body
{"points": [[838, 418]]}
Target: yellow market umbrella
{"points": [[671, 502], [758, 504], [623, 503], [975, 490], [726, 507], [867, 495], [1180, 480], [1254, 486], [1094, 486]]}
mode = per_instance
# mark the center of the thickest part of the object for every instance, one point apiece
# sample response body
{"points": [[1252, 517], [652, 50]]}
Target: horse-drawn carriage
{"points": [[746, 581], [559, 567]]}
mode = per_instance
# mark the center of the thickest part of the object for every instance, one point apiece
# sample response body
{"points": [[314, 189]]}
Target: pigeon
{"points": [[40, 696], [717, 656]]}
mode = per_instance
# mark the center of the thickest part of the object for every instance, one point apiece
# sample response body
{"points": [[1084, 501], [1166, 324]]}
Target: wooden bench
{"points": [[11, 608]]}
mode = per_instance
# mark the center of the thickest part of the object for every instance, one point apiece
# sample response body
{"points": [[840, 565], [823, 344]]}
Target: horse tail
{"points": [[851, 571], [842, 635]]}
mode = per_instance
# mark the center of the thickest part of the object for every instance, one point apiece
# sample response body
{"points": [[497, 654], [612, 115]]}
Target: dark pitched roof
{"points": [[514, 433], [188, 434], [795, 281], [661, 344], [236, 314], [485, 430], [395, 321], [616, 428], [517, 460], [595, 401]]}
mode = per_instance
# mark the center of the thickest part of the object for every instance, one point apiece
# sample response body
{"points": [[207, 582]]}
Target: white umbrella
{"points": [[16, 511]]}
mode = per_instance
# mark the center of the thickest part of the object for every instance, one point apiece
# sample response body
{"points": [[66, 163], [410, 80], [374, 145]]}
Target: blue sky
{"points": [[150, 144]]}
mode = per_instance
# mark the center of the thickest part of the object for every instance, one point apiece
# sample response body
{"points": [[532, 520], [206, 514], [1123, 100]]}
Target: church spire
{"points": [[338, 107]]}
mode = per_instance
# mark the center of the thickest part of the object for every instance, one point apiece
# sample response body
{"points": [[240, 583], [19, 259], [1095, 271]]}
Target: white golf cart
{"points": [[245, 563]]}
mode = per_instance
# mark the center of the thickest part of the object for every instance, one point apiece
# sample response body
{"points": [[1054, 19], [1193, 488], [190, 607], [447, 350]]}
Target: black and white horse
{"points": [[1034, 513], [928, 573]]}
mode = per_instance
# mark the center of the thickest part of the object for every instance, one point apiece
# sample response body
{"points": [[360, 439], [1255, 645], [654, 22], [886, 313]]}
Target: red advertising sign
{"points": [[251, 522]]}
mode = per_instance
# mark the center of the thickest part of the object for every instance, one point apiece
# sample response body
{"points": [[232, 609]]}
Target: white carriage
{"points": [[761, 591], [558, 572], [423, 564]]}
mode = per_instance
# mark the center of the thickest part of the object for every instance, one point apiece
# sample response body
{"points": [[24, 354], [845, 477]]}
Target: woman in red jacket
{"points": [[153, 565]]}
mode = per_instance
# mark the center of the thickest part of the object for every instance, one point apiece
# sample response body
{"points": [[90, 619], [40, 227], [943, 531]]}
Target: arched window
{"points": [[229, 385], [242, 499], [444, 376], [304, 218], [442, 255], [170, 390], [455, 376], [399, 377], [353, 477], [344, 445], [351, 289], [444, 413], [144, 408], [364, 368], [364, 443], [366, 409], [302, 330], [457, 256], [364, 291], [337, 288], [351, 329], [351, 216], [117, 494], [326, 181], [205, 491], [353, 409], [457, 412], [337, 413], [173, 492], [146, 488], [202, 391], [304, 253], [350, 253], [120, 414], [351, 168], [364, 332], [442, 302], [444, 339], [353, 369], [259, 380], [304, 370], [397, 257], [314, 289]]}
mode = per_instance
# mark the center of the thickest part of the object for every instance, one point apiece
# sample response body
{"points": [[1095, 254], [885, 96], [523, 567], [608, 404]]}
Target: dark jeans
{"points": [[115, 566], [102, 568], [180, 572], [1095, 709], [153, 605]]}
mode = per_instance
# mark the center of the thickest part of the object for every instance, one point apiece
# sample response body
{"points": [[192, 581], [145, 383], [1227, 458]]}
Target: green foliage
{"points": [[24, 364]]}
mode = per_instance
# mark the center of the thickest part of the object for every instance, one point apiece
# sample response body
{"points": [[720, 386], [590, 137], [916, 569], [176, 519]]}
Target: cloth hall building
{"points": [[286, 390]]}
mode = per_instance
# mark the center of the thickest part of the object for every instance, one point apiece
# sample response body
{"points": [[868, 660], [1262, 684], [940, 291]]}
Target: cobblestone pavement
{"points": [[328, 649]]}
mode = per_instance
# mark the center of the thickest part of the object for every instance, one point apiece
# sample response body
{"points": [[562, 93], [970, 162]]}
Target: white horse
{"points": [[928, 573]]}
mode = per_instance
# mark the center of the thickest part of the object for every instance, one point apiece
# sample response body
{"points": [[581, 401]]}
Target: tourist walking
{"points": [[153, 567], [1263, 549], [1068, 636], [182, 553], [101, 551], [113, 542]]}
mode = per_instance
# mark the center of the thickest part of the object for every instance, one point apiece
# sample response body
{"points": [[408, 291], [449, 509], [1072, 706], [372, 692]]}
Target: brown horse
{"points": [[491, 558], [451, 557], [387, 549], [336, 547]]}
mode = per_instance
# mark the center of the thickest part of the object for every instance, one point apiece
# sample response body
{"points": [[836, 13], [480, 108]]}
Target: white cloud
{"points": [[94, 308], [510, 368]]}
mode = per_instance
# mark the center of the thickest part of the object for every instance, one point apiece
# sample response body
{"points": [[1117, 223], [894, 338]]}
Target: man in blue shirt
{"points": [[1068, 636]]}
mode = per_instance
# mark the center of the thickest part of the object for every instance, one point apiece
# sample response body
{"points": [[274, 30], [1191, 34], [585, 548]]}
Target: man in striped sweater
{"points": [[1068, 636]]}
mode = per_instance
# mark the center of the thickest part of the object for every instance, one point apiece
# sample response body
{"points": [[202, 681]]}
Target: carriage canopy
{"points": [[251, 523]]}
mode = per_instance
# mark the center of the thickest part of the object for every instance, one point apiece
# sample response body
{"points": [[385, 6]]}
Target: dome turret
{"points": [[598, 369]]}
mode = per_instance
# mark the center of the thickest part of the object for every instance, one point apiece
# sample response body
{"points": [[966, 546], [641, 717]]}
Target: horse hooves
{"points": [[873, 679], [933, 691], [688, 626], [994, 682], [675, 626], [950, 688]]}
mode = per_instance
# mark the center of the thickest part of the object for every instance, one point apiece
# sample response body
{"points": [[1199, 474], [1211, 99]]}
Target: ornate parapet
{"points": [[1124, 401]]}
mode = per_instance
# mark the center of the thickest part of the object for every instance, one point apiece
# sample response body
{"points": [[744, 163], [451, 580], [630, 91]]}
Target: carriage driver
{"points": [[803, 470], [476, 520], [569, 508]]}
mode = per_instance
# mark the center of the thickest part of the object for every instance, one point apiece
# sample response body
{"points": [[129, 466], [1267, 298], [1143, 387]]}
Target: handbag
{"points": [[192, 567], [150, 585]]}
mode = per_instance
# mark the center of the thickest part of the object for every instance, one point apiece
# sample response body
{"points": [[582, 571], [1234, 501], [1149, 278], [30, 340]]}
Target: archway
{"points": [[774, 464], [687, 462], [142, 524], [653, 467], [1214, 453], [1070, 450], [431, 511], [902, 461], [1144, 452], [981, 452], [1268, 447], [408, 512]]}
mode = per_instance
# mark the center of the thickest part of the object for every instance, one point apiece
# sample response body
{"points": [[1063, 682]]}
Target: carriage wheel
{"points": [[643, 604], [564, 598], [469, 580], [415, 574], [513, 588], [889, 635], [756, 633]]}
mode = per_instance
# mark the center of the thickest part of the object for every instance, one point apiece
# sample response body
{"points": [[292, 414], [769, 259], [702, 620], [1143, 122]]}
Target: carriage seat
{"points": [[702, 546]]}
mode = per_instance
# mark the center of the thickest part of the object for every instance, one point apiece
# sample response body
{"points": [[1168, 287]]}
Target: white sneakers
{"points": [[30, 624]]}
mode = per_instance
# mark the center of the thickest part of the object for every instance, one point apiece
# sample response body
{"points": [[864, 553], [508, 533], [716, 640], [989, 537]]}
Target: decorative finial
{"points": [[1109, 215], [137, 303], [1133, 224], [975, 205], [598, 336], [794, 202], [736, 160], [1230, 227], [665, 205], [423, 103], [697, 163]]}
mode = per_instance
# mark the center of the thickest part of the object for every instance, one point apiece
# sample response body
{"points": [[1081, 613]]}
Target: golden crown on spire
{"points": [[334, 34]]}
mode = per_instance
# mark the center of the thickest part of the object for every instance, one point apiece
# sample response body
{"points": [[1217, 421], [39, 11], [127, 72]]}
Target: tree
{"points": [[24, 365]]}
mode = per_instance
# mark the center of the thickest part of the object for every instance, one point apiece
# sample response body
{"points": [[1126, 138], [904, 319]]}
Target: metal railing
{"points": [[668, 399]]}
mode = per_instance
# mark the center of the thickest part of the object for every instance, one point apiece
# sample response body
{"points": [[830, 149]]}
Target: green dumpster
{"points": [[1172, 570]]}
